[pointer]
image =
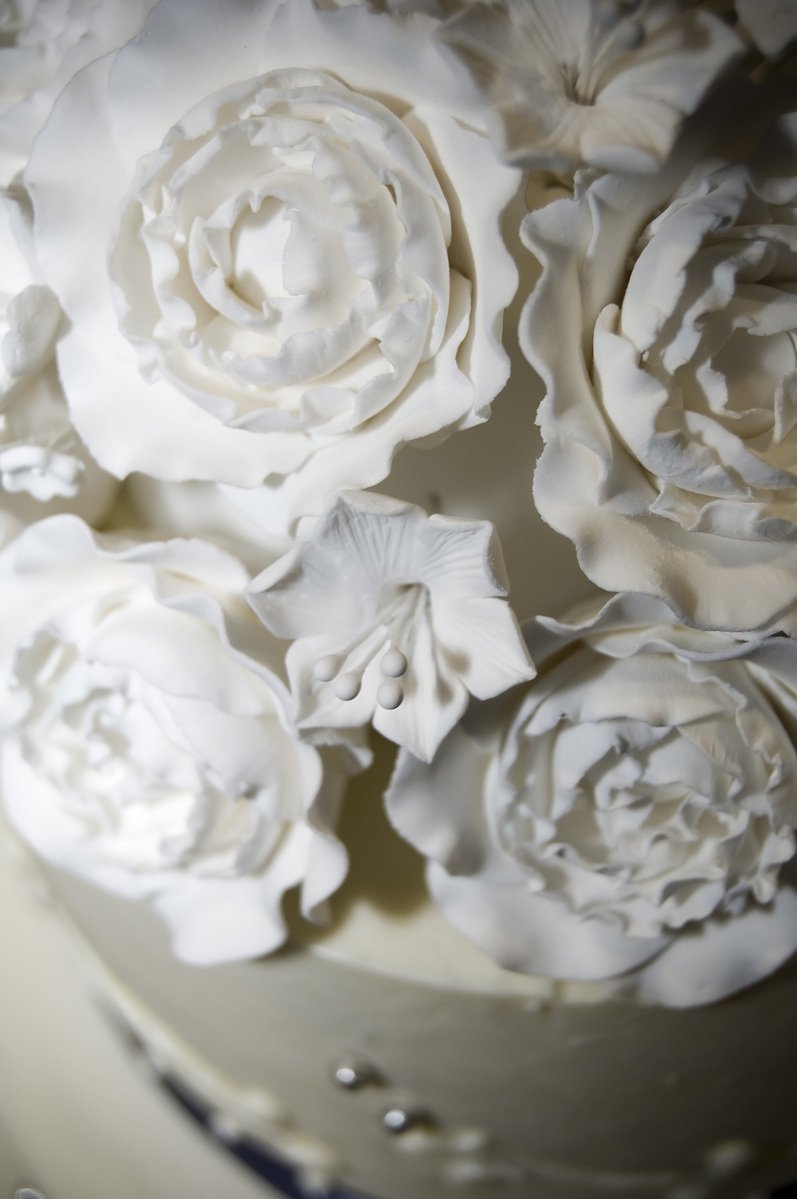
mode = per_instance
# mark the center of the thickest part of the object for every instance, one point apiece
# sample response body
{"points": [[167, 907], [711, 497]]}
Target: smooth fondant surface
{"points": [[80, 1116], [544, 1096]]}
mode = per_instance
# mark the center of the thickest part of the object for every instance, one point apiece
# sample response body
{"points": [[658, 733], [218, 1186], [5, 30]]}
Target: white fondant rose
{"points": [[591, 81], [273, 282], [43, 464], [634, 810], [143, 751], [397, 617], [42, 44], [664, 327]]}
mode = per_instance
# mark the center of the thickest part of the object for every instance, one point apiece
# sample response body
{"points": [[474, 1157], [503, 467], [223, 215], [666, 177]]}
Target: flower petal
{"points": [[717, 958], [482, 637], [537, 937]]}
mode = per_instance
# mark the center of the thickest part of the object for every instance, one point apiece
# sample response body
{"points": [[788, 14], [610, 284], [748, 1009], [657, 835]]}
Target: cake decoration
{"points": [[287, 274], [142, 749], [43, 45], [670, 438], [380, 592], [562, 79], [398, 1121], [42, 460], [309, 686], [297, 263], [634, 808], [353, 1075]]}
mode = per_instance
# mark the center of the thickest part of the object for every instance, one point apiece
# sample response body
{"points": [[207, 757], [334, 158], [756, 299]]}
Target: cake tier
{"points": [[77, 1120], [466, 1079]]}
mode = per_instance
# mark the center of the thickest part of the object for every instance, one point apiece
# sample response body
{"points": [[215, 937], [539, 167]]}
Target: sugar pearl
{"points": [[398, 1120], [390, 694], [326, 668], [394, 664], [348, 686]]}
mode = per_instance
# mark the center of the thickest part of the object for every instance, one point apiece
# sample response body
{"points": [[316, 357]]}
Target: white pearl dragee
{"points": [[390, 694], [353, 1075], [399, 1120], [326, 668], [347, 686], [394, 664]]}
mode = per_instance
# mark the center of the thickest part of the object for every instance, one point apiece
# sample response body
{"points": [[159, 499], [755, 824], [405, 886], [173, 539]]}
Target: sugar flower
{"points": [[144, 751], [632, 812], [43, 43], [664, 326], [296, 244], [396, 618], [43, 464], [591, 81]]}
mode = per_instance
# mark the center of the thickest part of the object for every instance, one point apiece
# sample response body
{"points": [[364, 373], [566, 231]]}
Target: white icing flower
{"points": [[396, 617], [143, 751], [43, 465], [42, 45], [591, 81], [273, 282], [668, 348], [632, 811]]}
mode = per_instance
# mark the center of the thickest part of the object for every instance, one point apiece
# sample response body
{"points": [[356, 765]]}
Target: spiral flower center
{"points": [[259, 241], [278, 280]]}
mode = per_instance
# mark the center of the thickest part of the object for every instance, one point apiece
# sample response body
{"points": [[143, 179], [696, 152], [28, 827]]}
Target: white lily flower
{"points": [[591, 81], [396, 618]]}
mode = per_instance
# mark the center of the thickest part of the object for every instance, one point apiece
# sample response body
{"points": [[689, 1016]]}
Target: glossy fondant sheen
{"points": [[398, 683]]}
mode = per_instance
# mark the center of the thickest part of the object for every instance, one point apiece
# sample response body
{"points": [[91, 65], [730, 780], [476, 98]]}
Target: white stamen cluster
{"points": [[347, 686]]}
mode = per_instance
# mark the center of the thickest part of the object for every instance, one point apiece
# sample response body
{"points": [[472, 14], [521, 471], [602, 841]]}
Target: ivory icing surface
{"points": [[531, 1088]]}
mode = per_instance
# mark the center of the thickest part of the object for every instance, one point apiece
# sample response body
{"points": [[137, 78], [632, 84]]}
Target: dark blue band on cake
{"points": [[256, 1157], [283, 1177]]}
